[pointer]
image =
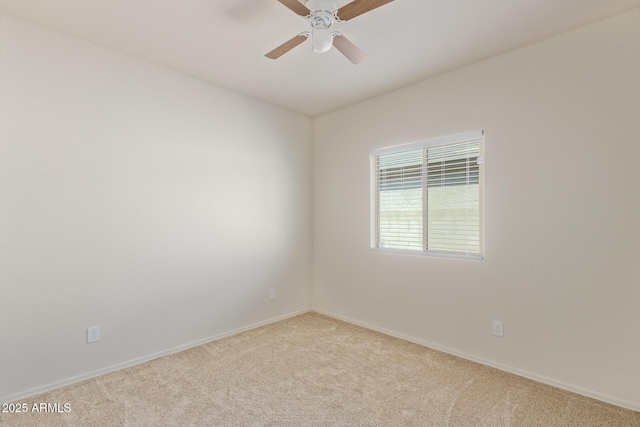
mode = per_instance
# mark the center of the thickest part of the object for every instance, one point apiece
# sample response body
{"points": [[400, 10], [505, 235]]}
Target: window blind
{"points": [[427, 197]]}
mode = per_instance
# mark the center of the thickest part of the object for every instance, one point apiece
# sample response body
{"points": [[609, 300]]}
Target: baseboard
{"points": [[143, 359], [535, 377]]}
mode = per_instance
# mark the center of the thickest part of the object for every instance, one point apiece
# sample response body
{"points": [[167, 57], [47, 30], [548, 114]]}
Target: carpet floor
{"points": [[312, 370]]}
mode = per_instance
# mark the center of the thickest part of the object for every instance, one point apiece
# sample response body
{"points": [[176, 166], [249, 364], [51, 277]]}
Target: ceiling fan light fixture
{"points": [[322, 40]]}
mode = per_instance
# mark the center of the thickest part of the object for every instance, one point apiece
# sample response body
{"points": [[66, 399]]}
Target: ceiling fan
{"points": [[322, 14]]}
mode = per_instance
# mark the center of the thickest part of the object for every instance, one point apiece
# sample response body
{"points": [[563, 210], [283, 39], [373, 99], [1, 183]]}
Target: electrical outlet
{"points": [[498, 328], [93, 334], [272, 294]]}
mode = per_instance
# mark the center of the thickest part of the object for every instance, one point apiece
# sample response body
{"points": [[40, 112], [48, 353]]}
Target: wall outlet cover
{"points": [[93, 334], [498, 328]]}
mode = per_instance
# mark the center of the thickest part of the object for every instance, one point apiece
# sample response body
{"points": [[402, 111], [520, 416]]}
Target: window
{"points": [[427, 197]]}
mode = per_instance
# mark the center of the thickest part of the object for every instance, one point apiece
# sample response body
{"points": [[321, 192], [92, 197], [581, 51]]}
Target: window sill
{"points": [[432, 254]]}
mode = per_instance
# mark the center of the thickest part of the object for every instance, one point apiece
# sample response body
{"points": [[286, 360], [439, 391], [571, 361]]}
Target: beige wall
{"points": [[131, 197], [562, 198]]}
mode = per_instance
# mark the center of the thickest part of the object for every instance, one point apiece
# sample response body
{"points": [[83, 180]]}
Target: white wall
{"points": [[131, 197], [562, 199]]}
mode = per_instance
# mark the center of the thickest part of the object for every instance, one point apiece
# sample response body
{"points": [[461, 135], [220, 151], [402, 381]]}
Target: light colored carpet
{"points": [[312, 370]]}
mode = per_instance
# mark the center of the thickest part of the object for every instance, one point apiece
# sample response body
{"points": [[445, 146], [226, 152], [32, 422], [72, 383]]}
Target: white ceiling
{"points": [[224, 41]]}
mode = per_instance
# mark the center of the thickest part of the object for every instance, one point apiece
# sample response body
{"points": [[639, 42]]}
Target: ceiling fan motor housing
{"points": [[322, 18], [315, 6]]}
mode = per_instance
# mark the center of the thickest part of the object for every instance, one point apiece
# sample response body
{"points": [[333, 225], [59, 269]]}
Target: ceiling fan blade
{"points": [[348, 49], [286, 46], [358, 7], [296, 6]]}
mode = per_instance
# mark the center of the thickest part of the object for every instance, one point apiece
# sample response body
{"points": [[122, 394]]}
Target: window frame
{"points": [[425, 144]]}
